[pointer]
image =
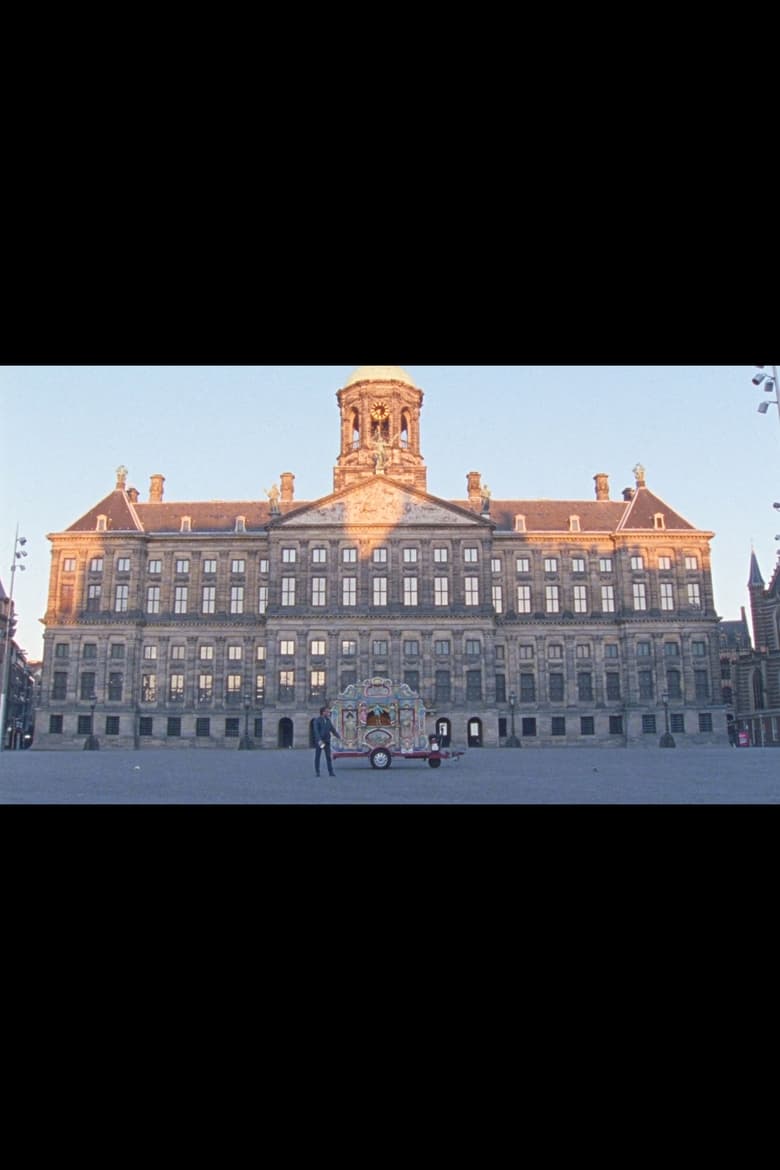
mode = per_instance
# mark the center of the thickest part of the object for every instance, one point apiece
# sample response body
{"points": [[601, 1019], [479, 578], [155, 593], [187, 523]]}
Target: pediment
{"points": [[380, 502]]}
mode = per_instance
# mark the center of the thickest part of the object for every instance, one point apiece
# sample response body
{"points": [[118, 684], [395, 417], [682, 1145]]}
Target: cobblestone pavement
{"points": [[489, 776]]}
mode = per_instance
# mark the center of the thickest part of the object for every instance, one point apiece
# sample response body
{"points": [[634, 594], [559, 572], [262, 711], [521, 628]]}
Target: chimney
{"points": [[156, 489], [132, 495], [474, 487], [602, 486], [286, 479], [629, 493]]}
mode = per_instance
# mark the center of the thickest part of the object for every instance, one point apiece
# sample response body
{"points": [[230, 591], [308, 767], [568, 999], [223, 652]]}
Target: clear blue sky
{"points": [[226, 432]]}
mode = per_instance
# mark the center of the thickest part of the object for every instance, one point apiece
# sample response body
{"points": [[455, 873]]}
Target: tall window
{"points": [[474, 686], [316, 685], [59, 684], [209, 567], [262, 598], [319, 556], [470, 556], [551, 598], [605, 564], [673, 684], [148, 688], [410, 588], [288, 590], [613, 685], [205, 688], [87, 685], [471, 585], [691, 563], [645, 684], [349, 648], [441, 591], [640, 595], [235, 653], [440, 556], [349, 591], [580, 599], [182, 565], [578, 564], [349, 556], [527, 688], [288, 556], [442, 687], [694, 595], [238, 566], [318, 588], [701, 684], [176, 688], [317, 648], [607, 598], [120, 603], [237, 599], [379, 556], [153, 599], [523, 564], [180, 599], [523, 598], [497, 597], [551, 564], [410, 556], [637, 563], [115, 682], [667, 595], [380, 588], [208, 604], [585, 686], [233, 694]]}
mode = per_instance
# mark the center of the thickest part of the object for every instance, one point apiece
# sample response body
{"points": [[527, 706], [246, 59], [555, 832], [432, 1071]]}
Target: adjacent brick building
{"points": [[564, 622]]}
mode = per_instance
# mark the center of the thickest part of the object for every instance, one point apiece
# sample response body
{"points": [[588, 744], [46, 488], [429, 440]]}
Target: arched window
{"points": [[404, 430], [355, 430]]}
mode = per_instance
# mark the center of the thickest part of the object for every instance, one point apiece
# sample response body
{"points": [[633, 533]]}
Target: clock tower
{"points": [[380, 428]]}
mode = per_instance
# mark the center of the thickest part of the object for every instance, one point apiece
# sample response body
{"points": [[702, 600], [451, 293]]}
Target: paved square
{"points": [[573, 776]]}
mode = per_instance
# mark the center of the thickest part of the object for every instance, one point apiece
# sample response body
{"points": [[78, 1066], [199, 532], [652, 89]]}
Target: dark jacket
{"points": [[323, 729]]}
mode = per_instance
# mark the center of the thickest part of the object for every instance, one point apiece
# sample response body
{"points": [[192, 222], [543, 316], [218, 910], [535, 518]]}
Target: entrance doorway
{"points": [[475, 732], [444, 732], [285, 735]]}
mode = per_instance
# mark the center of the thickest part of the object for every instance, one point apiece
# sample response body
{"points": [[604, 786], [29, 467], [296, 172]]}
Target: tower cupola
{"points": [[380, 427]]}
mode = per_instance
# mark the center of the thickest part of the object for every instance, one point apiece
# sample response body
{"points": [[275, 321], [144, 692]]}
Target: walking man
{"points": [[323, 730]]}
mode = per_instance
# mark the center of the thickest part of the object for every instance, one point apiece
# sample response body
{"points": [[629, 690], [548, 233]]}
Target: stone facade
{"points": [[560, 623]]}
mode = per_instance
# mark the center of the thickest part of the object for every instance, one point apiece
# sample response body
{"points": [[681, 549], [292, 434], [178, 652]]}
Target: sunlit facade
{"points": [[553, 623]]}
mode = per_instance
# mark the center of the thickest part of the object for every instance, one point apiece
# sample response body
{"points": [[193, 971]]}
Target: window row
{"points": [[146, 726], [554, 564], [583, 684], [528, 726], [580, 598]]}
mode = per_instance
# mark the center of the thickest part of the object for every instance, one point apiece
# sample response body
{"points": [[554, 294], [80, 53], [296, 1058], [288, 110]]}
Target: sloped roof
{"points": [[643, 508], [637, 514], [117, 509]]}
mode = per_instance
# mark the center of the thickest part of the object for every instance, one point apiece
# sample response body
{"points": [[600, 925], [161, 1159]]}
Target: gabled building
{"points": [[756, 669], [552, 622]]}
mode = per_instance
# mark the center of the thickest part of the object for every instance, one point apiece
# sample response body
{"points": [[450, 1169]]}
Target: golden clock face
{"points": [[379, 412]]}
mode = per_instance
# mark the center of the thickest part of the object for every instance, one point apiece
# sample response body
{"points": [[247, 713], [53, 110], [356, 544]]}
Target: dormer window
{"points": [[574, 524], [186, 524], [658, 520], [240, 523], [101, 523], [519, 523]]}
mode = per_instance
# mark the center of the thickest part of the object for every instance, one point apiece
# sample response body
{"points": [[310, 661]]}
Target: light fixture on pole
{"points": [[770, 384], [92, 743], [19, 552], [513, 741], [245, 744], [667, 739]]}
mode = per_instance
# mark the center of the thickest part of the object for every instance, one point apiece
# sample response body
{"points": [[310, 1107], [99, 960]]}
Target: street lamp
{"points": [[92, 743], [513, 741], [667, 739], [9, 621], [245, 744], [769, 383]]}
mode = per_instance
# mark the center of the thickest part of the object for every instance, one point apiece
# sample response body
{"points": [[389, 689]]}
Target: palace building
{"points": [[520, 621]]}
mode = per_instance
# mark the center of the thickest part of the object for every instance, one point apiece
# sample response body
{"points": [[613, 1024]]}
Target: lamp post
{"points": [[667, 739], [9, 621], [512, 741], [245, 744], [92, 743], [767, 382]]}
